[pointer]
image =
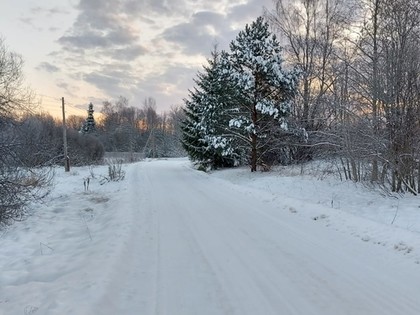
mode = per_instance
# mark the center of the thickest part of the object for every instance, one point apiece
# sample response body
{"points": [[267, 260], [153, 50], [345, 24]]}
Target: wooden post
{"points": [[66, 157]]}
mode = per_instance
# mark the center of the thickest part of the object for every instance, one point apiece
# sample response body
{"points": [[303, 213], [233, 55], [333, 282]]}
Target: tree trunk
{"points": [[375, 87], [253, 153], [375, 171], [394, 180], [354, 170], [254, 140], [384, 173]]}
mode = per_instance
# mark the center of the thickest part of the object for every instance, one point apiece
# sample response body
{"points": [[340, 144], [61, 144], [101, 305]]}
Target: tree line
{"points": [[350, 92], [124, 128], [31, 144]]}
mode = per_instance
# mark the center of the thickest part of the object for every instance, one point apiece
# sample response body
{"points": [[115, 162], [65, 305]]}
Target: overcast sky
{"points": [[97, 50]]}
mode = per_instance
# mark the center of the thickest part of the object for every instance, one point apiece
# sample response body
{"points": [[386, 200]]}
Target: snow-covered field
{"points": [[171, 240]]}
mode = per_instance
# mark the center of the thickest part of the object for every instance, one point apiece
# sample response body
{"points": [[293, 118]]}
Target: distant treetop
{"points": [[89, 124]]}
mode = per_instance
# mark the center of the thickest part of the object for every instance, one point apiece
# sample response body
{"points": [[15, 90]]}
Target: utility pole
{"points": [[66, 157]]}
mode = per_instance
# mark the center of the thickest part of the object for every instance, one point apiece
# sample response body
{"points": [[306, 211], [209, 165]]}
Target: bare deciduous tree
{"points": [[19, 184], [14, 95], [312, 30]]}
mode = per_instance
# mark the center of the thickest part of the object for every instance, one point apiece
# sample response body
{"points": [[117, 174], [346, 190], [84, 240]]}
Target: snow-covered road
{"points": [[201, 246], [169, 240]]}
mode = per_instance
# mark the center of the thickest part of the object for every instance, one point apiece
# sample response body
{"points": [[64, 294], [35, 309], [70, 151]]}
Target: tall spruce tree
{"points": [[265, 91], [192, 136], [89, 126], [205, 131]]}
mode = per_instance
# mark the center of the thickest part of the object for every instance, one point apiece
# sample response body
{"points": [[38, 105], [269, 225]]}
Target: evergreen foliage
{"points": [[89, 126], [266, 90], [240, 105], [206, 137]]}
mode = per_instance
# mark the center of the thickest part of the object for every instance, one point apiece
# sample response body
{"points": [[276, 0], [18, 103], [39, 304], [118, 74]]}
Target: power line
{"points": [[52, 100], [49, 96]]}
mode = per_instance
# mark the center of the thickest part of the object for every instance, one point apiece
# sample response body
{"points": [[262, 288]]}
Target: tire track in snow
{"points": [[215, 250], [179, 252]]}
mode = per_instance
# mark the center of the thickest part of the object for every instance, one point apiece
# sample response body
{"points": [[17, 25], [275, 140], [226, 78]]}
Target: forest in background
{"points": [[357, 99]]}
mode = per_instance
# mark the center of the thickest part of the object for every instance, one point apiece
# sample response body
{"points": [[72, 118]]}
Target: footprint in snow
{"points": [[320, 217]]}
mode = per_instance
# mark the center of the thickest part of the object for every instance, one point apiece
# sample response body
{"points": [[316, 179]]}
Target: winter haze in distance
{"points": [[97, 50]]}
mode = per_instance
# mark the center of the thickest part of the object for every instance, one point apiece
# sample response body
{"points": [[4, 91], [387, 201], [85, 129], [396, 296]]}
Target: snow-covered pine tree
{"points": [[266, 90], [89, 126], [205, 130], [192, 136]]}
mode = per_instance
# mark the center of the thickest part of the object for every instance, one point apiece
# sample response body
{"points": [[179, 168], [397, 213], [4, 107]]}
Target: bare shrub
{"points": [[18, 188], [19, 184], [115, 171]]}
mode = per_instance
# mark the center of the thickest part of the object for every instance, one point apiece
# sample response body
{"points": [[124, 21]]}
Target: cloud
{"points": [[161, 8], [113, 79], [86, 40], [70, 90], [100, 24], [63, 85], [147, 48], [247, 12], [48, 67], [204, 28], [27, 20], [128, 53], [88, 37], [103, 81], [48, 11], [198, 34], [35, 17]]}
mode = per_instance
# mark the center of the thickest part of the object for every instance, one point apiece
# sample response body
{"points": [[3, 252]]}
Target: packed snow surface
{"points": [[172, 240]]}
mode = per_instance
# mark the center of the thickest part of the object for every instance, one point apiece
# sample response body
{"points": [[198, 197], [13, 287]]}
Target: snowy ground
{"points": [[172, 240], [372, 215]]}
